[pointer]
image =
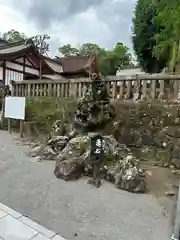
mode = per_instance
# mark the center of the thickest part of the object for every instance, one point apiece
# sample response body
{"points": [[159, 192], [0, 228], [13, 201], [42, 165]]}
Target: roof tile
{"points": [[74, 63]]}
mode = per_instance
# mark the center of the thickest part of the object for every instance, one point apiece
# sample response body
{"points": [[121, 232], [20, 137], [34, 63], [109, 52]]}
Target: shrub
{"points": [[45, 111]]}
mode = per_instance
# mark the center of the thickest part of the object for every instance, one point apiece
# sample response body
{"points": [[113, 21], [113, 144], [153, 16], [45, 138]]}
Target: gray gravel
{"points": [[75, 207]]}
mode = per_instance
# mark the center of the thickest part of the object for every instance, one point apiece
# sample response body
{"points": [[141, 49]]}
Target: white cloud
{"points": [[104, 24], [10, 19]]}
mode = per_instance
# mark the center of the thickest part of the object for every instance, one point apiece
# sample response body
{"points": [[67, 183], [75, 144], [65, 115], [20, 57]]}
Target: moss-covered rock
{"points": [[74, 160]]}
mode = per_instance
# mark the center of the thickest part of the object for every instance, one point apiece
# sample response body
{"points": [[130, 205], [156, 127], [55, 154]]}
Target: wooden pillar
{"points": [[80, 90], [4, 72], [3, 95], [114, 89], [73, 88], [153, 89], [121, 91], [29, 90], [9, 125], [128, 89], [137, 87], [144, 90], [162, 89], [40, 69], [177, 89], [84, 87], [49, 89], [24, 62], [21, 128]]}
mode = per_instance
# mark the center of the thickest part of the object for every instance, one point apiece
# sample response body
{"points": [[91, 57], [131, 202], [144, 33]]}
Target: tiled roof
{"points": [[70, 64], [3, 42], [74, 63], [57, 67], [11, 49]]}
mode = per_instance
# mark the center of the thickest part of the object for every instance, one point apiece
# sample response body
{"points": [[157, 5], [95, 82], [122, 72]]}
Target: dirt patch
{"points": [[161, 180]]}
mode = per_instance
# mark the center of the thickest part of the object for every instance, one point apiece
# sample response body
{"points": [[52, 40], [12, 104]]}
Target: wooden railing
{"points": [[132, 87]]}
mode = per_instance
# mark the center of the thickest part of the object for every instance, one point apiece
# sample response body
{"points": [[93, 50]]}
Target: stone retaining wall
{"points": [[151, 130]]}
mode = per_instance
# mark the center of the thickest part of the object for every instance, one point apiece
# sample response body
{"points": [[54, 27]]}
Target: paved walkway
{"points": [[15, 226], [75, 210]]}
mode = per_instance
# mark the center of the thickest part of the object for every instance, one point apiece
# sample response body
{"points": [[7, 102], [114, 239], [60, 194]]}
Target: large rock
{"points": [[56, 141], [94, 110], [71, 169], [43, 152], [126, 174], [50, 150], [80, 147], [74, 161]]}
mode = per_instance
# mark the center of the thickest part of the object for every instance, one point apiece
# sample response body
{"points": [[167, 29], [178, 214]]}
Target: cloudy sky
{"points": [[70, 21]]}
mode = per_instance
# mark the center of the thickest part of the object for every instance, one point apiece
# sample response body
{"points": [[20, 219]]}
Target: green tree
{"points": [[88, 48], [13, 36], [144, 31], [108, 60], [68, 50], [40, 41], [168, 40]]}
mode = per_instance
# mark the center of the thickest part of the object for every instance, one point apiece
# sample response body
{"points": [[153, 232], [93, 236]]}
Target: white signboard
{"points": [[15, 107]]}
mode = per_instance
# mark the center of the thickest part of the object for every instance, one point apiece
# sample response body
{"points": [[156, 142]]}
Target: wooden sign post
{"points": [[97, 156]]}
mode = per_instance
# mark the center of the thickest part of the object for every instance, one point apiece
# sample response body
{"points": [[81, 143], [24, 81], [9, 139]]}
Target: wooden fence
{"points": [[133, 87]]}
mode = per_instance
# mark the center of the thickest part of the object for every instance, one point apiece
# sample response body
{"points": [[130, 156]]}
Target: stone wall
{"points": [[151, 130]]}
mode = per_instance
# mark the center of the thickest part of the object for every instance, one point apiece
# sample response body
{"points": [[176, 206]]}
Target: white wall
{"points": [[12, 75]]}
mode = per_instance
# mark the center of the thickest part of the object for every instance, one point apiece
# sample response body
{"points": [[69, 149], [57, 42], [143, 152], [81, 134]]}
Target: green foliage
{"points": [[13, 36], [40, 41], [168, 40], [144, 31], [88, 48], [68, 50], [45, 111], [109, 60]]}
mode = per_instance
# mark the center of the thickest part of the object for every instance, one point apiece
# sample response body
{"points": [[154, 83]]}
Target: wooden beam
{"points": [[24, 61], [31, 61], [143, 77], [14, 70], [23, 64], [40, 69], [4, 72]]}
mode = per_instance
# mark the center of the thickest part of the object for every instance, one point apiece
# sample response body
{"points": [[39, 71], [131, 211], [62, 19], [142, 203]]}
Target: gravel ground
{"points": [[75, 210]]}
